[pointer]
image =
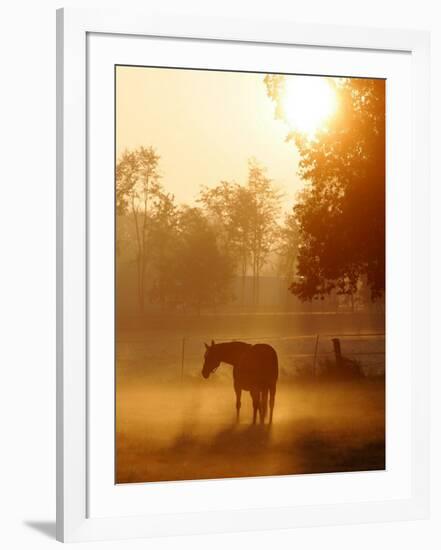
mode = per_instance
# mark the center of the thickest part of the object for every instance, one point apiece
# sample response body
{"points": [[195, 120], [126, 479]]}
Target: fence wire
{"points": [[298, 353]]}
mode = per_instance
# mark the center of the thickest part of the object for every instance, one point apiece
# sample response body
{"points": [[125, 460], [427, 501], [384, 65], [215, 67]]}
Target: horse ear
{"points": [[212, 342], [206, 345]]}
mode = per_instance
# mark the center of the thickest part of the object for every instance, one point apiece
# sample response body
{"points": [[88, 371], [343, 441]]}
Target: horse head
{"points": [[211, 360]]}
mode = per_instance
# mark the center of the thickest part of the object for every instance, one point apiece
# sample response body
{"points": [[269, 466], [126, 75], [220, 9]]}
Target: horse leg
{"points": [[238, 396], [255, 395], [272, 393], [263, 405]]}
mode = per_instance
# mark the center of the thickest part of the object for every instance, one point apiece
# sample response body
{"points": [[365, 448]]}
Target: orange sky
{"points": [[205, 125]]}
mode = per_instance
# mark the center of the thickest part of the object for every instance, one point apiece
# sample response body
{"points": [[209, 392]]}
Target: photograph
{"points": [[250, 259]]}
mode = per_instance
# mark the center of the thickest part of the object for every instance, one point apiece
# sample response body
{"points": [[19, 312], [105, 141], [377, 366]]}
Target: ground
{"points": [[171, 424], [189, 432]]}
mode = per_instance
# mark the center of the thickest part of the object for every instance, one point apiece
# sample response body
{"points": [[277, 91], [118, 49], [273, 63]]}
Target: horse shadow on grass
{"points": [[299, 448], [233, 439], [238, 439]]}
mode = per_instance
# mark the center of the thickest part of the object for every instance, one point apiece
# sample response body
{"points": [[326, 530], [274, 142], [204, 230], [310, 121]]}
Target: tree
{"points": [[341, 211], [219, 205], [227, 206], [202, 273], [263, 212], [288, 247], [162, 242], [137, 184], [245, 218]]}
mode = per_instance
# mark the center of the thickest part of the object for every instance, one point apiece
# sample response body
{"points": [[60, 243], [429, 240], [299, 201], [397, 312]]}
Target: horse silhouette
{"points": [[255, 369]]}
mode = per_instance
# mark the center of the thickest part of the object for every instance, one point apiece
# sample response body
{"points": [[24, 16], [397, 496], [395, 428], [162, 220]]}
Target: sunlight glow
{"points": [[308, 102]]}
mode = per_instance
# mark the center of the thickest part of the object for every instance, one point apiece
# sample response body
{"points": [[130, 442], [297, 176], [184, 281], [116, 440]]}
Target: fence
{"points": [[301, 352]]}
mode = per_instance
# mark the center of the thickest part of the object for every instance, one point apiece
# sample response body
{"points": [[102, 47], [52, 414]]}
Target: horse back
{"points": [[264, 357], [258, 366]]}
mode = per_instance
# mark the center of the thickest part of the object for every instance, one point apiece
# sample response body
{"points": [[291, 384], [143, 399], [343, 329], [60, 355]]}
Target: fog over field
{"points": [[172, 424], [189, 431]]}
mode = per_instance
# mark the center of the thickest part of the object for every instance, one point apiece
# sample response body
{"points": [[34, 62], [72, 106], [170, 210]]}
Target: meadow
{"points": [[171, 424]]}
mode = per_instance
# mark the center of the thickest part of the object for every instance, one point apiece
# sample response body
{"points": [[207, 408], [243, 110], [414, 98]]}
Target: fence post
{"points": [[337, 350], [315, 353], [182, 358]]}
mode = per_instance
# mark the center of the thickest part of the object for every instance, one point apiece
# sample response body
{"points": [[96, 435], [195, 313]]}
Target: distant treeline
{"points": [[188, 256]]}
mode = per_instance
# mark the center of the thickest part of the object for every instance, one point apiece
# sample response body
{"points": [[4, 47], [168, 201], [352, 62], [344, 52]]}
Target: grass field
{"points": [[173, 428], [189, 432]]}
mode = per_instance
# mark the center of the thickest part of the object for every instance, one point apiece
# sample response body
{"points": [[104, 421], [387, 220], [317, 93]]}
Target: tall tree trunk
{"points": [[143, 248], [257, 285], [139, 253], [244, 273], [253, 298], [258, 268]]}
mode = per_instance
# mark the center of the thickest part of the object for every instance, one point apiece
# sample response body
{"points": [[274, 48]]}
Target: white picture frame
{"points": [[74, 519]]}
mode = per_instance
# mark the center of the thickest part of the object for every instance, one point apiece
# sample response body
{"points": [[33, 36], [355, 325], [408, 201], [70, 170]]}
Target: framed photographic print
{"points": [[242, 275]]}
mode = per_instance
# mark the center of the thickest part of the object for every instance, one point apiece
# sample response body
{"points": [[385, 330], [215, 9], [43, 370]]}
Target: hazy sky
{"points": [[205, 125]]}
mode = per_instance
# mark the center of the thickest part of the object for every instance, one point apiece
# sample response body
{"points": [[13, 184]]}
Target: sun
{"points": [[308, 102]]}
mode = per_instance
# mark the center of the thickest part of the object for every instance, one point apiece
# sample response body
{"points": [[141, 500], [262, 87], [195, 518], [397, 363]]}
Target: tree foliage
{"points": [[162, 247], [264, 212], [179, 262], [137, 187], [341, 211], [246, 221], [288, 247], [202, 271], [186, 257]]}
